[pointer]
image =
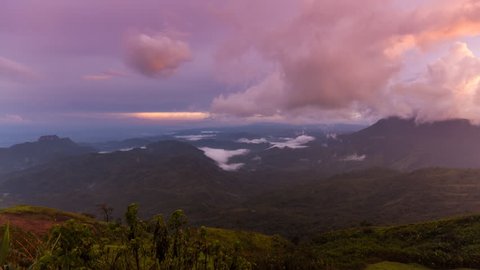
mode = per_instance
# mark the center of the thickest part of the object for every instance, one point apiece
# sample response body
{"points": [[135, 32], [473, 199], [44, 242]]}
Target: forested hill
{"points": [[45, 149]]}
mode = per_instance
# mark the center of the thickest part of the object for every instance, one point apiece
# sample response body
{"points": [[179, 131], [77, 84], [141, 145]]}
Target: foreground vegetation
{"points": [[444, 244], [76, 241], [83, 243]]}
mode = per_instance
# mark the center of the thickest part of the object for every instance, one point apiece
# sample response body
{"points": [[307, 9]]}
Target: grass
{"points": [[262, 247], [395, 266], [39, 210], [401, 266], [248, 240], [444, 244]]}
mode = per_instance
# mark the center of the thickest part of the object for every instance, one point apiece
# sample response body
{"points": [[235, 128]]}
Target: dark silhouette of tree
{"points": [[160, 238], [131, 217], [106, 211]]}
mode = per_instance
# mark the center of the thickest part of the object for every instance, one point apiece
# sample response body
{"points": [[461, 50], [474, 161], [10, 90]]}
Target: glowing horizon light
{"points": [[169, 116]]}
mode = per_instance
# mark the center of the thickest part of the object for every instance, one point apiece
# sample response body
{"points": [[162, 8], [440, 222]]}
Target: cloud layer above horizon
{"points": [[347, 58], [239, 60]]}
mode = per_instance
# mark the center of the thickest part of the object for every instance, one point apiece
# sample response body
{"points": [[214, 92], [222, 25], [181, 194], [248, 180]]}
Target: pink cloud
{"points": [[12, 119], [266, 98], [343, 56], [448, 88], [12, 70], [156, 56], [105, 75]]}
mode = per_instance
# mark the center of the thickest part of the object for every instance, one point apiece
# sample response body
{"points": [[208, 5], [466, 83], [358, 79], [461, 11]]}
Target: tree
{"points": [[160, 238], [106, 211], [131, 217]]}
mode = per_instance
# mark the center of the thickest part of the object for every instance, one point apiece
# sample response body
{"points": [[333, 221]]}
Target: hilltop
{"points": [[46, 149], [405, 144]]}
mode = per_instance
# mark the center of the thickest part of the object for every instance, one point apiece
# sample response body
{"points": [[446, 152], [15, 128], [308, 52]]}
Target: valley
{"points": [[276, 190], [272, 194]]}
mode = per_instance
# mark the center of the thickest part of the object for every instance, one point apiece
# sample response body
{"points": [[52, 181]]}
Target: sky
{"points": [[142, 65]]}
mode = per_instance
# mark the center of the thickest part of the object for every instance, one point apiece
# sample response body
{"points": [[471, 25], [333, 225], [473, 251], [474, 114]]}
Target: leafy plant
{"points": [[5, 245]]}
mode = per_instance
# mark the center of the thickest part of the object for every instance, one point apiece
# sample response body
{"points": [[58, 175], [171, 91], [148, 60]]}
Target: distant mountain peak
{"points": [[395, 119], [398, 125], [45, 149], [48, 138], [391, 120]]}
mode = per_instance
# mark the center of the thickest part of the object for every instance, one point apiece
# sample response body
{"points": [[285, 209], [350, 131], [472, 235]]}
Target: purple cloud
{"points": [[105, 75], [12, 70], [269, 60], [344, 56], [156, 56]]}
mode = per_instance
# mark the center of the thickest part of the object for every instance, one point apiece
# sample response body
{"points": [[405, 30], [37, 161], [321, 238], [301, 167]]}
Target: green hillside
{"points": [[75, 241], [292, 204], [444, 244], [376, 196], [395, 266]]}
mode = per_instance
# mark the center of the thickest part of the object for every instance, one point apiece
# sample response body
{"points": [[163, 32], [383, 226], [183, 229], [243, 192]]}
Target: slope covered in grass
{"points": [[38, 220], [45, 238], [395, 266], [444, 244]]}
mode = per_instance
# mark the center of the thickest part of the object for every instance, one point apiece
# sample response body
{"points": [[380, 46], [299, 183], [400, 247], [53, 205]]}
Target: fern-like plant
{"points": [[5, 246]]}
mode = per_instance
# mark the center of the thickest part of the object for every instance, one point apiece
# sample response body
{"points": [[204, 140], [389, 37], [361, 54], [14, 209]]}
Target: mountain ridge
{"points": [[406, 145], [44, 150]]}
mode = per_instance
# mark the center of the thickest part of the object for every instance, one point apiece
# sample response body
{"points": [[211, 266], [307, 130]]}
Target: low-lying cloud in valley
{"points": [[281, 143], [293, 143], [252, 141], [194, 138], [222, 156], [128, 149], [354, 157]]}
